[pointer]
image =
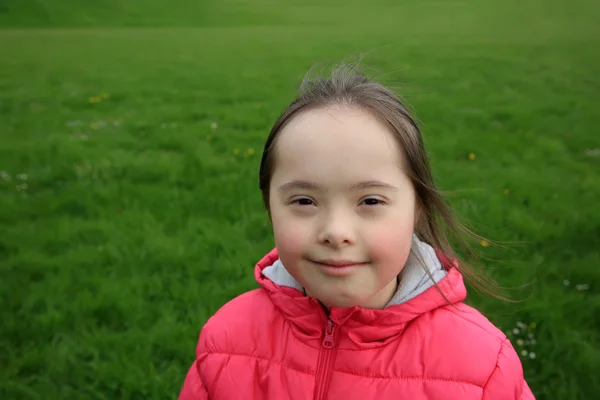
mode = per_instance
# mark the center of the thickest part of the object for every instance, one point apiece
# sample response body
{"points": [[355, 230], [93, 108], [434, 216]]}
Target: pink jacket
{"points": [[276, 343]]}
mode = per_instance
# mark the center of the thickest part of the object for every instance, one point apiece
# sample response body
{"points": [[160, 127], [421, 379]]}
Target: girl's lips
{"points": [[339, 263], [339, 269]]}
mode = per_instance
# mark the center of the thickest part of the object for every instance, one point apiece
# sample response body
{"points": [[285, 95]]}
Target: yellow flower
{"points": [[94, 100], [249, 152], [484, 243], [472, 156], [105, 96], [95, 125], [236, 151], [506, 192]]}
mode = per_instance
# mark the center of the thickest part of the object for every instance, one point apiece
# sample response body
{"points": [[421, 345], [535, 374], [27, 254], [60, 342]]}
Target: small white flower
{"points": [[524, 353], [520, 342], [532, 341], [530, 335], [520, 325], [84, 137], [516, 331], [593, 152], [583, 287], [22, 177], [532, 355], [213, 126], [5, 175], [566, 282]]}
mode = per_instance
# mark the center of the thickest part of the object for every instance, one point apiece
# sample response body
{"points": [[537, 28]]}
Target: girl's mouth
{"points": [[339, 267]]}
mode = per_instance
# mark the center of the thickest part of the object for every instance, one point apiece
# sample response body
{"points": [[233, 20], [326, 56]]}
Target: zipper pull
{"points": [[328, 339]]}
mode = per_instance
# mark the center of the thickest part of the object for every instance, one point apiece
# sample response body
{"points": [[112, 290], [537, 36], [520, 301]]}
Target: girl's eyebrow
{"points": [[373, 184], [307, 185]]}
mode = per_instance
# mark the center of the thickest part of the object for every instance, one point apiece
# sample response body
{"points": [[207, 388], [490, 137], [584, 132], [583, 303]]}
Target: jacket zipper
{"points": [[326, 360]]}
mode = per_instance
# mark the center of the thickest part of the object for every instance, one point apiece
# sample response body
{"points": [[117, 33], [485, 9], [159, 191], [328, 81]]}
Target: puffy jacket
{"points": [[276, 343]]}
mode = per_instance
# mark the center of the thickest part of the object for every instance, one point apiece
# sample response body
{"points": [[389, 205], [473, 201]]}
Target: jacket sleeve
{"points": [[506, 381], [193, 388]]}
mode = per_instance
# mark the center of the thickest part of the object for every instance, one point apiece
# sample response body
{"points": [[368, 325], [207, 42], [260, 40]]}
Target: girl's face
{"points": [[343, 210]]}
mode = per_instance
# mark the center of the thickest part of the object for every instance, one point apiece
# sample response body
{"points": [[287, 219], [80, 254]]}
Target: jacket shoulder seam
{"points": [[496, 366], [500, 339]]}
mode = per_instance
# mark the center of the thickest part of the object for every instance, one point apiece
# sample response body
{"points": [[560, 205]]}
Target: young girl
{"points": [[362, 298]]}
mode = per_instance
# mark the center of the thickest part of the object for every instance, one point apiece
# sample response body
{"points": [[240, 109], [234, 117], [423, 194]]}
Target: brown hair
{"points": [[346, 87]]}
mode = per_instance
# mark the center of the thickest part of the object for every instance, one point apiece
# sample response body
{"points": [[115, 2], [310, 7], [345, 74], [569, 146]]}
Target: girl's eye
{"points": [[372, 201], [303, 202]]}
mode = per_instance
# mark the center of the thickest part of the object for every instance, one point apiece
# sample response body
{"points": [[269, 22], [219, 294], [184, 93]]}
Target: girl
{"points": [[362, 298]]}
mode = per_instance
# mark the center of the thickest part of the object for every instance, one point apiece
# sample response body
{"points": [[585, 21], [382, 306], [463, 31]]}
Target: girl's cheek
{"points": [[290, 237], [391, 240]]}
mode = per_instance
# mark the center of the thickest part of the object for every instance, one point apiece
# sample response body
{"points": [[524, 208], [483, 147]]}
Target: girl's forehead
{"points": [[351, 134]]}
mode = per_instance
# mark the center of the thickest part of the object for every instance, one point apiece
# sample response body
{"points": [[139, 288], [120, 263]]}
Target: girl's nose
{"points": [[336, 231]]}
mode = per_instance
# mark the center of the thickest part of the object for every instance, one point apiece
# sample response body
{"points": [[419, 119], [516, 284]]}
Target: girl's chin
{"points": [[340, 302]]}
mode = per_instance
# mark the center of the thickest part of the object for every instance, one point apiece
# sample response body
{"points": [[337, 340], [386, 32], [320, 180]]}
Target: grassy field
{"points": [[130, 141]]}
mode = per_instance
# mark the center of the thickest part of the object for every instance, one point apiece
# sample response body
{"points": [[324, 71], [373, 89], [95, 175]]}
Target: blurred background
{"points": [[130, 140]]}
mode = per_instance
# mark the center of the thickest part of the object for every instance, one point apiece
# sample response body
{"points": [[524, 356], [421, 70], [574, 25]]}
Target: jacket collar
{"points": [[362, 327]]}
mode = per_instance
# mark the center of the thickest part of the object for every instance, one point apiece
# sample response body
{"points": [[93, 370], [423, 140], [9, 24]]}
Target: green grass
{"points": [[125, 223]]}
